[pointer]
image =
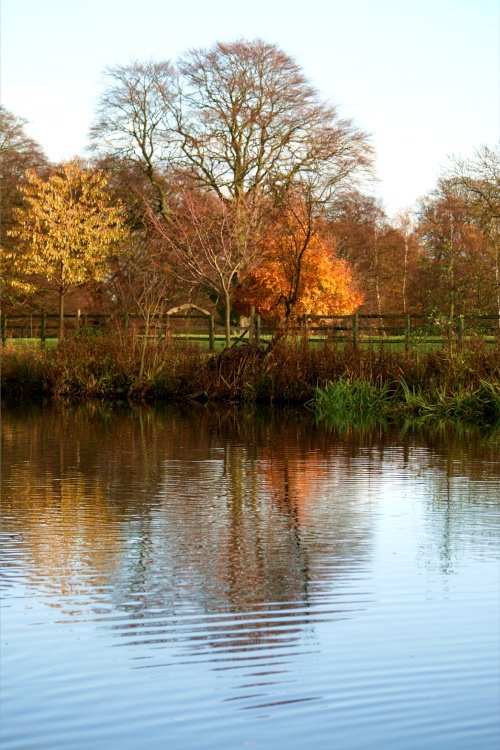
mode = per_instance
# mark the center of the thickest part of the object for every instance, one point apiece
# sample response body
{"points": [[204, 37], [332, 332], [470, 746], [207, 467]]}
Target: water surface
{"points": [[217, 578]]}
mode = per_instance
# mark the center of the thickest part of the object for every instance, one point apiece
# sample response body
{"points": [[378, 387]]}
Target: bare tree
{"points": [[478, 179], [136, 121], [210, 242], [240, 118], [18, 152], [251, 122]]}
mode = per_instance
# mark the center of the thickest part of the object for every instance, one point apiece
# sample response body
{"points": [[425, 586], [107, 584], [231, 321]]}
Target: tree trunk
{"points": [[61, 313], [144, 345], [227, 318], [497, 277], [405, 272], [451, 276], [451, 270]]}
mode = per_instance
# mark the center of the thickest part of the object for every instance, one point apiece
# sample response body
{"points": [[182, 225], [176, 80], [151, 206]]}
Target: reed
{"points": [[479, 402], [24, 371], [351, 397]]}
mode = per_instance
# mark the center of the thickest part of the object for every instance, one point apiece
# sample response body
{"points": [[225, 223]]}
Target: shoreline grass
{"points": [[462, 383], [364, 402]]}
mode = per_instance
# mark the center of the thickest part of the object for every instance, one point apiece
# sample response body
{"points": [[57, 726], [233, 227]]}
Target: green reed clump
{"points": [[345, 397], [470, 402]]}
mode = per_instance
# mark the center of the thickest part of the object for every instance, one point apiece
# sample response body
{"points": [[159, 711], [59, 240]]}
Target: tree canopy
{"points": [[238, 118], [66, 228]]}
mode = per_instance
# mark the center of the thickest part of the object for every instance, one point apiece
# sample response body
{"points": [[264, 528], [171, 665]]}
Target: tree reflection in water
{"points": [[169, 513]]}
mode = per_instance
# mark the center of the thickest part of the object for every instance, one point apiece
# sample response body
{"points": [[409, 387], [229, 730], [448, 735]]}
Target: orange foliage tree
{"points": [[300, 273]]}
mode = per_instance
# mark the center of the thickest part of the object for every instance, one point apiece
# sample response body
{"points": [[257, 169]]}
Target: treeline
{"points": [[225, 180]]}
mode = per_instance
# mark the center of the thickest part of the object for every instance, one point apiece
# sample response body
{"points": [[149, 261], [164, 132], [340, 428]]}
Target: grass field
{"points": [[395, 343]]}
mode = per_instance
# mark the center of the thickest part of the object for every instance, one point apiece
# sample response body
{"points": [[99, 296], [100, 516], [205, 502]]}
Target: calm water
{"points": [[201, 578]]}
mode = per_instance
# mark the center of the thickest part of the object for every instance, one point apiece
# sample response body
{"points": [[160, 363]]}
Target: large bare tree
{"points": [[241, 126], [251, 122], [240, 118]]}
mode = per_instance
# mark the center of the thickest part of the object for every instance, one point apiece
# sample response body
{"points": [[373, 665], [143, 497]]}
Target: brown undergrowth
{"points": [[112, 366]]}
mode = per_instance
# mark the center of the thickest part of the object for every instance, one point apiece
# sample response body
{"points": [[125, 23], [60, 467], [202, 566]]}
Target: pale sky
{"points": [[422, 76]]}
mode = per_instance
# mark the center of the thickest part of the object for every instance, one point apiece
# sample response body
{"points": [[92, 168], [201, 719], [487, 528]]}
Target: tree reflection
{"points": [[194, 509]]}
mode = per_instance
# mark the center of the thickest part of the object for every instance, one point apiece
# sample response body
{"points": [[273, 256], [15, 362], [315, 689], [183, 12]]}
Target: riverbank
{"points": [[460, 382]]}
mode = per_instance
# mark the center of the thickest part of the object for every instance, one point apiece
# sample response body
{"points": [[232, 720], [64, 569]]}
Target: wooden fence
{"points": [[192, 323], [401, 328]]}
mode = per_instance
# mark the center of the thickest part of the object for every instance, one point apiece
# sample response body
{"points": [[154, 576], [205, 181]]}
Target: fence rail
{"points": [[369, 328]]}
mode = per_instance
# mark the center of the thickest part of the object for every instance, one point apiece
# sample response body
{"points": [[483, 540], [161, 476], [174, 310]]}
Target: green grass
{"points": [[363, 403], [32, 343], [398, 343], [474, 402], [352, 397]]}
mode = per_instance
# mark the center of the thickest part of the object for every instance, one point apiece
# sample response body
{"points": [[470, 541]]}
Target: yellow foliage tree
{"points": [[66, 229]]}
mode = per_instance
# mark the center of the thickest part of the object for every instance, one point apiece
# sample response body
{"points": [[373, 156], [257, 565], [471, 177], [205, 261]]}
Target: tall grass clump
{"points": [[103, 366], [346, 399], [470, 403], [25, 370]]}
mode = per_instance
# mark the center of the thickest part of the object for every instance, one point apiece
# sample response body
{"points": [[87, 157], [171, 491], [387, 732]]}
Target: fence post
{"points": [[355, 331], [77, 321], [211, 330], [407, 331], [257, 328], [251, 330], [43, 329], [4, 328]]}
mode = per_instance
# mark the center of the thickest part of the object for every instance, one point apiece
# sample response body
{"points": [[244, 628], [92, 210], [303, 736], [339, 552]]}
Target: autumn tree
{"points": [[18, 154], [455, 270], [139, 280], [383, 254], [66, 229], [477, 182], [299, 272]]}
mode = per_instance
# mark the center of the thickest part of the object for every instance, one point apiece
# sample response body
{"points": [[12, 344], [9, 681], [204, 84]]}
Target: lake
{"points": [[211, 577]]}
